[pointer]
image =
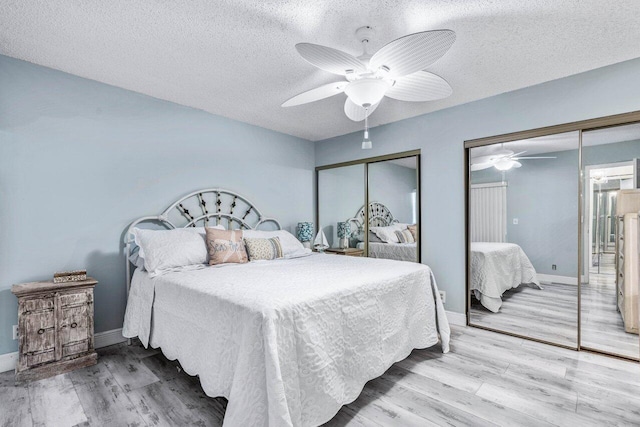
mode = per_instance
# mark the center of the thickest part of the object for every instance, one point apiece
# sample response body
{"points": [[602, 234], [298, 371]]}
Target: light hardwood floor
{"points": [[486, 379], [551, 313]]}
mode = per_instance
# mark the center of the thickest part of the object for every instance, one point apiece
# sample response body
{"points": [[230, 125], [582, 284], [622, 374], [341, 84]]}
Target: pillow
{"points": [[164, 250], [373, 238], [405, 236], [225, 246], [291, 247], [414, 230], [386, 234], [263, 249]]}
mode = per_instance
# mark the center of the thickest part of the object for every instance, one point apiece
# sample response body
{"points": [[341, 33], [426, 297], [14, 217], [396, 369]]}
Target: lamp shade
{"points": [[367, 91], [305, 231], [344, 229]]}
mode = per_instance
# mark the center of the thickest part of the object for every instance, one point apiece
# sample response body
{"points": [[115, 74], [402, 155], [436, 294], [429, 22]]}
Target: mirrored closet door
{"points": [[371, 207], [610, 240], [522, 232]]}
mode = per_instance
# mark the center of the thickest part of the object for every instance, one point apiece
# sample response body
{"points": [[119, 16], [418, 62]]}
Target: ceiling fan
{"points": [[502, 160], [396, 71]]}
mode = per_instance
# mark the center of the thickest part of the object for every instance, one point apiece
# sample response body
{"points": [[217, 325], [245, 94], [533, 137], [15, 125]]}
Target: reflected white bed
{"points": [[395, 251], [496, 268], [289, 341]]}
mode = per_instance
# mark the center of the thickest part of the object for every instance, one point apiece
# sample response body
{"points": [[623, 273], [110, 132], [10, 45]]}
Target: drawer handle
{"points": [[40, 331], [74, 325]]}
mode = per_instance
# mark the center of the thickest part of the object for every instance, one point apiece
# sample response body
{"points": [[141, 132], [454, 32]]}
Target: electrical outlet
{"points": [[15, 332], [443, 296], [553, 267]]}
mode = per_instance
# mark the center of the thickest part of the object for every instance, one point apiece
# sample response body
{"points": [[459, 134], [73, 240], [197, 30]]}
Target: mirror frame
{"points": [[366, 162], [580, 127]]}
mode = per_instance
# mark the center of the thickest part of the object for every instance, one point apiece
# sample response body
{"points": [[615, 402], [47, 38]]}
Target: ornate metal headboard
{"points": [[209, 207], [379, 216]]}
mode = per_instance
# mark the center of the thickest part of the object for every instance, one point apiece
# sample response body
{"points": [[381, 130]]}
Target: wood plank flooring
{"points": [[487, 379], [551, 313]]}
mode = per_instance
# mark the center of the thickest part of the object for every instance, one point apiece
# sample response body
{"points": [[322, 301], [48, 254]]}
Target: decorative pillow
{"points": [[386, 234], [414, 230], [291, 247], [263, 249], [164, 250], [225, 247], [405, 236]]}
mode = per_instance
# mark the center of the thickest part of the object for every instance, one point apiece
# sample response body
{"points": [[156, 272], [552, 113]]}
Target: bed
{"points": [[496, 268], [289, 341], [381, 216]]}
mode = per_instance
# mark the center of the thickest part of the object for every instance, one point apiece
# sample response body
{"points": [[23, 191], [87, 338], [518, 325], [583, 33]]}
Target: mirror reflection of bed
{"points": [[391, 185], [523, 232]]}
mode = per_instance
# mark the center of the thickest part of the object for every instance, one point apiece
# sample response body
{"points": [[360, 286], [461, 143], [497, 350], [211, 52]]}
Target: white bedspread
{"points": [[496, 268], [288, 342], [397, 251]]}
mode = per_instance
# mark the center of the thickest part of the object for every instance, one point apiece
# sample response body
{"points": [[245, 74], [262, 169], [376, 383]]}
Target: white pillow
{"points": [[388, 234], [164, 250], [291, 247]]}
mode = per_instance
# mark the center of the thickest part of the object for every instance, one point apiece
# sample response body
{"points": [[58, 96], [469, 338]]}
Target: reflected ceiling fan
{"points": [[502, 160], [396, 71]]}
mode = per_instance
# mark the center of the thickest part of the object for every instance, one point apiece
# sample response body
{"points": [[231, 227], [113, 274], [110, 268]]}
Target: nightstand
{"points": [[347, 251], [55, 328]]}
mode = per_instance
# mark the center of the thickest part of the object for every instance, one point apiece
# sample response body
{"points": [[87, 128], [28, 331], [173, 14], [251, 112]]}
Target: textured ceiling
{"points": [[236, 58]]}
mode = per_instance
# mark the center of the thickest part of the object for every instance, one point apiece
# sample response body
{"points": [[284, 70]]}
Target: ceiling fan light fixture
{"points": [[367, 90], [504, 164]]}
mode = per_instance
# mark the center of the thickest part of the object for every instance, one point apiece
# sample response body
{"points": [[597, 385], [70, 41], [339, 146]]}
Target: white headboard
{"points": [[379, 216], [208, 207]]}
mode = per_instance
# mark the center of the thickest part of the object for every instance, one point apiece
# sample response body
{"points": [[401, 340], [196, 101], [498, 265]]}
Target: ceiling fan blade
{"points": [[420, 86], [322, 92], [529, 158], [329, 59], [480, 166], [517, 154], [413, 53], [357, 113]]}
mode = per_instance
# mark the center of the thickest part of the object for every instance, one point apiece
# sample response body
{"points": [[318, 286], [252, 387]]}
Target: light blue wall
{"points": [[440, 135], [79, 160], [392, 185]]}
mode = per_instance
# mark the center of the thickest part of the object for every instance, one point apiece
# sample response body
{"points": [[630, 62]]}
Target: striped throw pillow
{"points": [[263, 249], [405, 236]]}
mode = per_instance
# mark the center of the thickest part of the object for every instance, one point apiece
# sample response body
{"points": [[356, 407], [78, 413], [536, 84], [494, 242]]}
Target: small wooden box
{"points": [[55, 327]]}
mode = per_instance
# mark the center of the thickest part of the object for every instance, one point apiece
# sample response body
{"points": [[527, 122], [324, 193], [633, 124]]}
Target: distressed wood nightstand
{"points": [[347, 251], [55, 327]]}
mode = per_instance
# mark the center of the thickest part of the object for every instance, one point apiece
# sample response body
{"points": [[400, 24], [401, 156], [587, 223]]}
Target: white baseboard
{"points": [[458, 319], [565, 280], [8, 361], [101, 339], [107, 338]]}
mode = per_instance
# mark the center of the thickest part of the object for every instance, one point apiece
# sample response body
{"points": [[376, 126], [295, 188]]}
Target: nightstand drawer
{"points": [[35, 359], [28, 306], [75, 298], [75, 348]]}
